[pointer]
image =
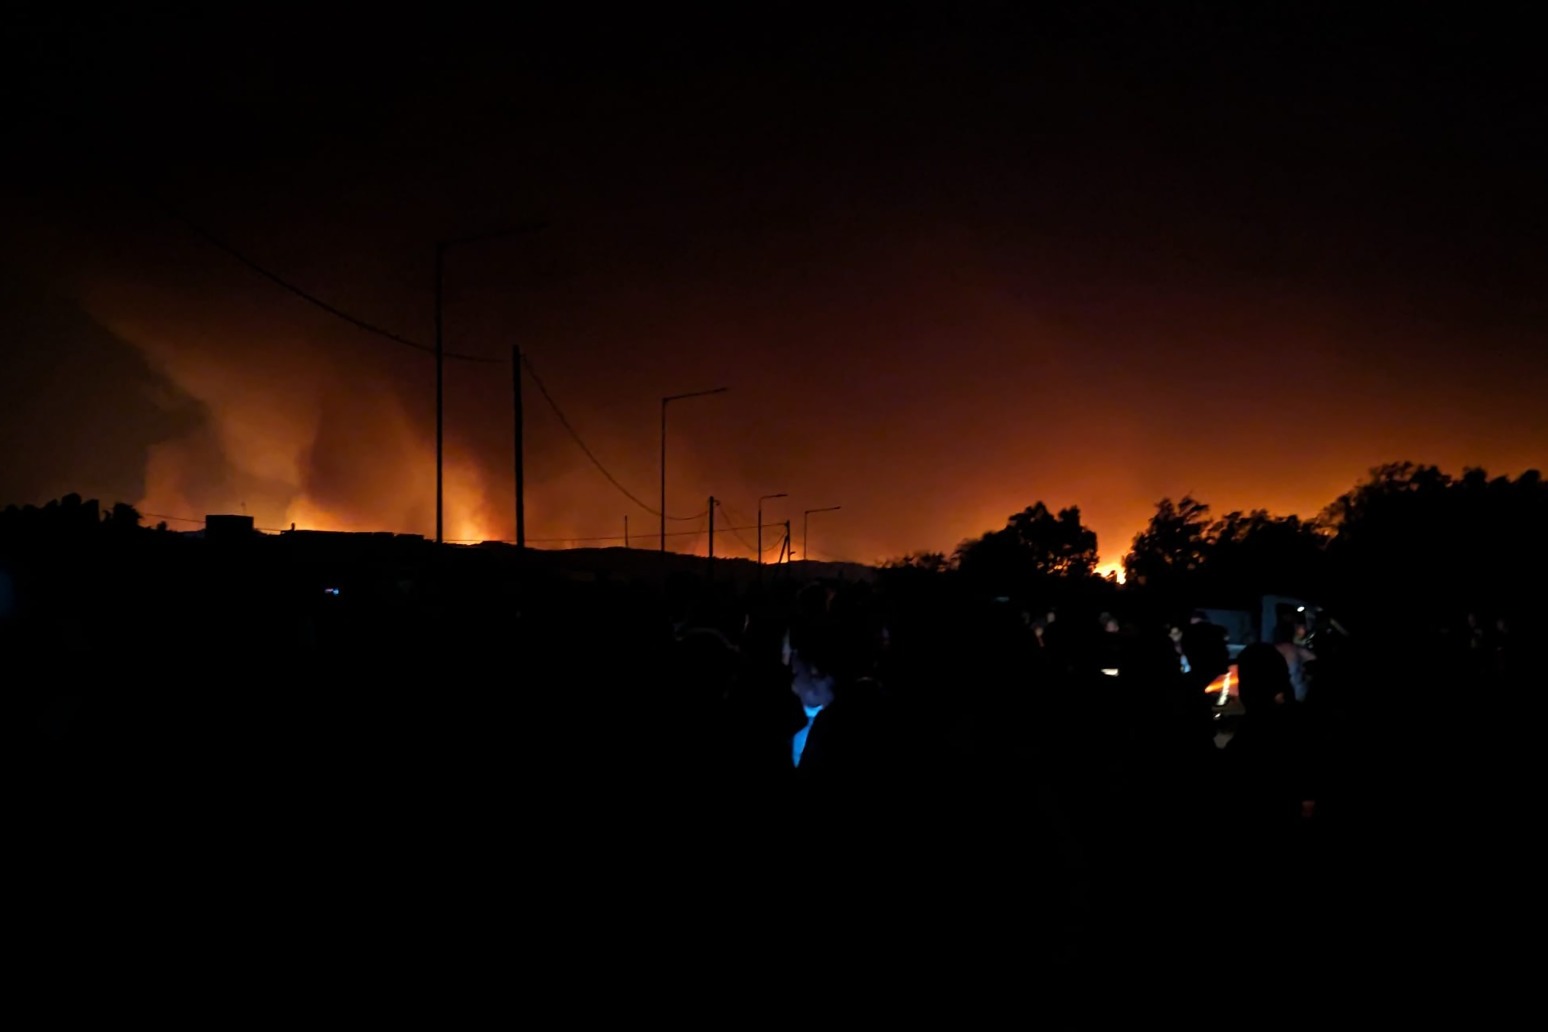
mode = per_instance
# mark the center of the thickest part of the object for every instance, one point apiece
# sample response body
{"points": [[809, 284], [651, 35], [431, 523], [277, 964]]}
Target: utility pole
{"points": [[440, 363], [626, 530], [521, 471], [760, 522], [787, 541], [674, 397], [711, 537], [663, 475], [440, 398]]}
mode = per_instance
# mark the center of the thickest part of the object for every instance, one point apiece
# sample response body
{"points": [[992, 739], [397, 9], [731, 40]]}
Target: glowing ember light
{"points": [[1225, 685]]}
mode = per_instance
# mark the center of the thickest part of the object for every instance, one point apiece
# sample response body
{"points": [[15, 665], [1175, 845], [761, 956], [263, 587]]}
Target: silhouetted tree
{"points": [[1035, 546], [123, 516], [925, 562], [1371, 499], [1171, 546], [1251, 554], [1410, 540], [1186, 558]]}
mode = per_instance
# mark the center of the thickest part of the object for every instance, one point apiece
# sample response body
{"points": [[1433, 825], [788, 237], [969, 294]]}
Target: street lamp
{"points": [[674, 397], [440, 361], [806, 518], [761, 500]]}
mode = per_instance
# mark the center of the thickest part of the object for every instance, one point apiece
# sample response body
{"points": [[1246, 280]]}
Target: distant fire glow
{"points": [[283, 416]]}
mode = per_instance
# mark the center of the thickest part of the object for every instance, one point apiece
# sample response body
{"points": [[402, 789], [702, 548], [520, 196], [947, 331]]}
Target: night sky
{"points": [[947, 264]]}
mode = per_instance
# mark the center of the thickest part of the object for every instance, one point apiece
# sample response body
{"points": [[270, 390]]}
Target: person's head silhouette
{"points": [[1263, 678]]}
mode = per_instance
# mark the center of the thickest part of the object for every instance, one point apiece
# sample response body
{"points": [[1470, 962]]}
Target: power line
{"points": [[467, 541], [775, 544], [734, 530], [311, 298], [362, 324], [175, 519], [620, 537], [564, 422], [613, 537], [599, 537]]}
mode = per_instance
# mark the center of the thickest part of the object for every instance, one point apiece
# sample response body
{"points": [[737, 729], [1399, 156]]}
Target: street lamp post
{"points": [[674, 397], [806, 519], [440, 362], [440, 391], [760, 521]]}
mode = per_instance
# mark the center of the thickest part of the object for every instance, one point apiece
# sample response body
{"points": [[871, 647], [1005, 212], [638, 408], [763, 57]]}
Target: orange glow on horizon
{"points": [[293, 420]]}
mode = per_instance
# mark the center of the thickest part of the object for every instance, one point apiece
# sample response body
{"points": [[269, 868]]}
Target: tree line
{"points": [[1408, 542]]}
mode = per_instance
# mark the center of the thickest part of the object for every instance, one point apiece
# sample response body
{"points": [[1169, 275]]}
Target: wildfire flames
{"points": [[300, 423], [274, 477], [282, 431]]}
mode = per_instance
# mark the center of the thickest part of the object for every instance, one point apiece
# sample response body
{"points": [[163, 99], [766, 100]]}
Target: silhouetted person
{"points": [[762, 713], [1287, 639], [842, 755], [1271, 778], [1205, 645], [812, 681]]}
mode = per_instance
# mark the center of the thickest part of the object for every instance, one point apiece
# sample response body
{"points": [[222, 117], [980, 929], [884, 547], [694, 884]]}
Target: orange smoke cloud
{"points": [[279, 445]]}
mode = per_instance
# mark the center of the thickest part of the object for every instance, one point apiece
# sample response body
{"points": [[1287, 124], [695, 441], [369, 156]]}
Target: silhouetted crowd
{"points": [[831, 759]]}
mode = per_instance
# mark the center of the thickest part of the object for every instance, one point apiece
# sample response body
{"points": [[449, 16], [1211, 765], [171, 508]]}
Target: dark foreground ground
{"points": [[528, 787]]}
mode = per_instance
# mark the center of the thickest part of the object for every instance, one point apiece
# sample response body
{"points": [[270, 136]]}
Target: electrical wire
{"points": [[620, 537], [362, 324], [369, 327], [610, 537], [564, 422], [175, 519], [464, 541], [735, 531], [311, 298], [771, 546]]}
